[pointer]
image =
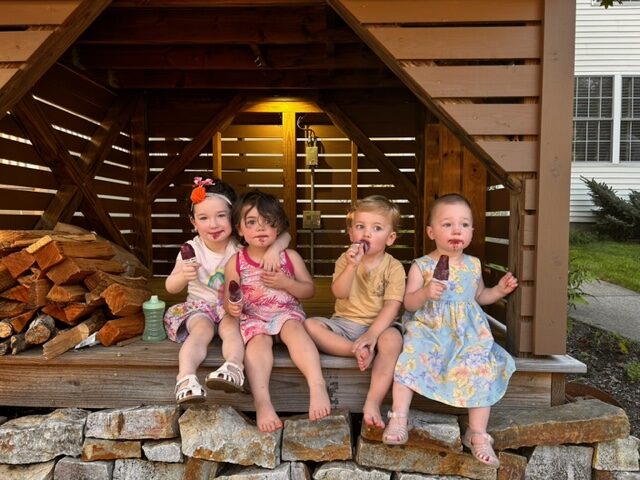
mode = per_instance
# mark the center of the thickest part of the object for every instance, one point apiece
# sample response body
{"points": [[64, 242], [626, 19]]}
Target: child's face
{"points": [[451, 227], [212, 221], [374, 227], [255, 229]]}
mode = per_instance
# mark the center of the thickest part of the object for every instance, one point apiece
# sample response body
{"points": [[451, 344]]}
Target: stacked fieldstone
{"points": [[582, 440]]}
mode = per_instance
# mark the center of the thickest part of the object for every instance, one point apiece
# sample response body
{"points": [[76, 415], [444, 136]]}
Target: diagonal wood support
{"points": [[55, 155], [370, 149], [68, 197], [218, 122]]}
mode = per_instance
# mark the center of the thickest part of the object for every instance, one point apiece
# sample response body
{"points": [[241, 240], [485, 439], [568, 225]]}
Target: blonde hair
{"points": [[379, 204], [448, 199]]}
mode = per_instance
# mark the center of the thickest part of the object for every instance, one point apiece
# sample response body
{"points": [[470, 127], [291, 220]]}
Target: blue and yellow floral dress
{"points": [[449, 354]]}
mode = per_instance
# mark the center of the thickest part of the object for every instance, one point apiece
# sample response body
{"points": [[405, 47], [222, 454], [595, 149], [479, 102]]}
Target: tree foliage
{"points": [[609, 3], [615, 217]]}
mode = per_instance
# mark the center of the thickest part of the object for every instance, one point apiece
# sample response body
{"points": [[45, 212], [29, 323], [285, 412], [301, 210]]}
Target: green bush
{"points": [[615, 217], [578, 275], [582, 237]]}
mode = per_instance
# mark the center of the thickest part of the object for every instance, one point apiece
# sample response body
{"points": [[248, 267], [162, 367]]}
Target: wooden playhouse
{"points": [[109, 108]]}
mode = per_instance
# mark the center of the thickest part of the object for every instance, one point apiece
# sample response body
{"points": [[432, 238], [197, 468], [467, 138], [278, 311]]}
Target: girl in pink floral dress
{"points": [[270, 307]]}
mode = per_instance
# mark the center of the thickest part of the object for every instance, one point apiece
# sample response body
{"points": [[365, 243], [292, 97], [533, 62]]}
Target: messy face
{"points": [[451, 227], [256, 230], [374, 228], [212, 220]]}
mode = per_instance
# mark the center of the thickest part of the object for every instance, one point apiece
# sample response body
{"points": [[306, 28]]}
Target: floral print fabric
{"points": [[449, 354]]}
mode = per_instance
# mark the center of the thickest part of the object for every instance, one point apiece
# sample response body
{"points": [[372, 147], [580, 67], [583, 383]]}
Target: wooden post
{"points": [[289, 171]]}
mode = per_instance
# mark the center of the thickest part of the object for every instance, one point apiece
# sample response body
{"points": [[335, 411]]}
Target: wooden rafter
{"points": [[370, 149], [218, 122], [55, 155], [68, 197], [48, 52]]}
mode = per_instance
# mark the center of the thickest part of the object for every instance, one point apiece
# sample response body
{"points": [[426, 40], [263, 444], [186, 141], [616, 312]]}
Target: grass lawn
{"points": [[611, 261]]}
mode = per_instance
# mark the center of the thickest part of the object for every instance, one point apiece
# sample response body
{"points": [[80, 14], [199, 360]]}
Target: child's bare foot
{"points": [[371, 415], [267, 419], [319, 403], [365, 357]]}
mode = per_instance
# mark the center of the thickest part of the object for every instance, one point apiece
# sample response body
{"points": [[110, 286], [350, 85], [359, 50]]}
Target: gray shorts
{"points": [[343, 327]]}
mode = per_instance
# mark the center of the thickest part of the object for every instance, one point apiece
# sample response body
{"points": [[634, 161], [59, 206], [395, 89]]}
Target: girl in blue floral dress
{"points": [[449, 354]]}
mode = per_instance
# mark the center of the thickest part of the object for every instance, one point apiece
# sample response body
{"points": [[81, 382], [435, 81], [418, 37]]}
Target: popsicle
{"points": [[441, 271], [235, 293], [364, 243], [187, 253]]}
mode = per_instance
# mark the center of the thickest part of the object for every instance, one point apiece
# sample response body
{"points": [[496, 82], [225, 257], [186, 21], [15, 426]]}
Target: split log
{"points": [[32, 276], [73, 270], [68, 339], [40, 330], [38, 291], [103, 279], [5, 347], [75, 311], [9, 308], [58, 237], [123, 301], [6, 280], [9, 326], [19, 293], [18, 343], [121, 329], [66, 293], [54, 252], [11, 240], [19, 262]]}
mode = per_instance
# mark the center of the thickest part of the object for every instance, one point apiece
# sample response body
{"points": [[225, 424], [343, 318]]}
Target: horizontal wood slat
{"points": [[438, 11], [492, 119], [27, 177], [513, 156], [32, 12], [478, 81], [19, 46], [424, 43]]}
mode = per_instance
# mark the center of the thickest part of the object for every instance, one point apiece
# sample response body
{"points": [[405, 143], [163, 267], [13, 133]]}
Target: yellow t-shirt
{"points": [[370, 289]]}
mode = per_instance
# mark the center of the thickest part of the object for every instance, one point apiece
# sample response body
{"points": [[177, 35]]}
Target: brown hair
{"points": [[448, 199], [267, 206], [379, 204]]}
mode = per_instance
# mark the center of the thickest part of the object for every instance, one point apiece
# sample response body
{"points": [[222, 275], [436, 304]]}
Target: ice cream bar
{"points": [[364, 243], [441, 271], [187, 253], [235, 294]]}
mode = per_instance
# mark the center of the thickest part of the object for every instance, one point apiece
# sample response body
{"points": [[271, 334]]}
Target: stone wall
{"points": [[588, 439]]}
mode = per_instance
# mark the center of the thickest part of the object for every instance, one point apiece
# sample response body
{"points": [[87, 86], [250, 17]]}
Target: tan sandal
{"points": [[483, 450], [189, 390], [229, 377], [396, 433]]}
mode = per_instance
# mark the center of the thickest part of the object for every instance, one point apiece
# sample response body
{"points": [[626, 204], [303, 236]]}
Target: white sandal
{"points": [[481, 449], [229, 377], [398, 433], [189, 390]]}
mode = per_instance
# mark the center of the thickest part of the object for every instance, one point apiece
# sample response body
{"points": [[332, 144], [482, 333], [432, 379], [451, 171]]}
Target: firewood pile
{"points": [[58, 288]]}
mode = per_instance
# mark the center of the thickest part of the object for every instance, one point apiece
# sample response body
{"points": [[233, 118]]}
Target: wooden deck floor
{"points": [[144, 373]]}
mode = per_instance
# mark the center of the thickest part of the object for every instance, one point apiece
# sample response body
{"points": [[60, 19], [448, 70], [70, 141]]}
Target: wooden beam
{"points": [[240, 80], [38, 12], [45, 56], [554, 178], [373, 153], [222, 57], [55, 155], [289, 183], [68, 197], [142, 244], [218, 3], [218, 122]]}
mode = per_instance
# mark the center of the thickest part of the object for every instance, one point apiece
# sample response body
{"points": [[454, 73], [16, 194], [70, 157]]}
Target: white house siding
{"points": [[607, 43], [622, 177]]}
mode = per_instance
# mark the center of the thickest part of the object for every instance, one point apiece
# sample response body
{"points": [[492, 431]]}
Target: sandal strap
{"points": [[231, 372], [392, 414]]}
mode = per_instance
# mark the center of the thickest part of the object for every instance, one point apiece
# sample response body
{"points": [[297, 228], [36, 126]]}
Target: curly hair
{"points": [[267, 205]]}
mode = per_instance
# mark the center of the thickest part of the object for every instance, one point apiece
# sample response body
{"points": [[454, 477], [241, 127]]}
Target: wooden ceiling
{"points": [[280, 45]]}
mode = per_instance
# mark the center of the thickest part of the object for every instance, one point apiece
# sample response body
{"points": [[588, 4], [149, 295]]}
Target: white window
{"points": [[592, 118], [630, 120]]}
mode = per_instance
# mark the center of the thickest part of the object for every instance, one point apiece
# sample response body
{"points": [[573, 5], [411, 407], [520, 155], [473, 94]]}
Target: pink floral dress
{"points": [[265, 310]]}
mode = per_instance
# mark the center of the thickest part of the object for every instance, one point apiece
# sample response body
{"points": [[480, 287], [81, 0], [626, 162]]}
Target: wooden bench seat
{"points": [[144, 373]]}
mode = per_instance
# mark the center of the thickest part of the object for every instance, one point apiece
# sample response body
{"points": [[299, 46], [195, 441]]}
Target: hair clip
{"points": [[199, 193]]}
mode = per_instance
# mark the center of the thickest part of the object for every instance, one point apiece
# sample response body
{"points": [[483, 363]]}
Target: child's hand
{"points": [[435, 289], [365, 344], [276, 279], [234, 309], [190, 271], [507, 284], [354, 254], [270, 261]]}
